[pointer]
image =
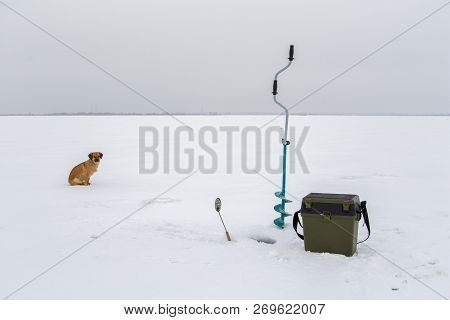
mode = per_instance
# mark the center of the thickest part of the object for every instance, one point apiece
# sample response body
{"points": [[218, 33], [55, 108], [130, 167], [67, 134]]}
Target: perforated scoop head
{"points": [[218, 204]]}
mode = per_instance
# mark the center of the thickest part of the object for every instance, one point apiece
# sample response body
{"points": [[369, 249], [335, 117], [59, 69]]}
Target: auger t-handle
{"points": [[275, 92]]}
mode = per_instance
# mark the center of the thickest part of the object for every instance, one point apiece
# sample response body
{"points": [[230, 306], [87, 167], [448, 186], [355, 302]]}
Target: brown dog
{"points": [[81, 174]]}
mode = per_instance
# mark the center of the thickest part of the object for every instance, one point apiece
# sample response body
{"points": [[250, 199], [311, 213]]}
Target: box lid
{"points": [[331, 204]]}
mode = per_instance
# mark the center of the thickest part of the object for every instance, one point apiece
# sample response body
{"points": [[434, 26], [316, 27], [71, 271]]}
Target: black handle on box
{"points": [[291, 53]]}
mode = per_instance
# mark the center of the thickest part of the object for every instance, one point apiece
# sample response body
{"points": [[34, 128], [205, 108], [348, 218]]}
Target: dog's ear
{"points": [[90, 155], [101, 155]]}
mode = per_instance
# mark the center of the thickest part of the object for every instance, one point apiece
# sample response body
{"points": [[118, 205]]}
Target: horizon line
{"points": [[216, 114]]}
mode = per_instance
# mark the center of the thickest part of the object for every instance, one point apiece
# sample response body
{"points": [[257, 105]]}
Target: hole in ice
{"points": [[263, 239]]}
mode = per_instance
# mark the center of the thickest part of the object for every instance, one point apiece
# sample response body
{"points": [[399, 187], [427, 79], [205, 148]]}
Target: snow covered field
{"points": [[174, 247]]}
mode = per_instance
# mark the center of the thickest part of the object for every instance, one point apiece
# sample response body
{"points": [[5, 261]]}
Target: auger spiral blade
{"points": [[281, 195]]}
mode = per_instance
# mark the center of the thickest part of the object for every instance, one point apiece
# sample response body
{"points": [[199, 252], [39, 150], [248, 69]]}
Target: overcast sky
{"points": [[221, 56]]}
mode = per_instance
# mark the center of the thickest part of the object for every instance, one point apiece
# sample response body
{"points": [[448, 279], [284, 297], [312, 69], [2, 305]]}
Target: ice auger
{"points": [[279, 222]]}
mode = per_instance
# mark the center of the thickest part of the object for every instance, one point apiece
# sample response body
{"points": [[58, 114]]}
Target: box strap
{"points": [[296, 221], [365, 214]]}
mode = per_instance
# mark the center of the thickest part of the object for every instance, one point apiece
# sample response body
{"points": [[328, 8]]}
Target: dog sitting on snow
{"points": [[81, 174]]}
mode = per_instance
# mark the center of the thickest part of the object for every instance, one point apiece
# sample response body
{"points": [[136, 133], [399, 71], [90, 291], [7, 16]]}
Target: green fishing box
{"points": [[330, 222]]}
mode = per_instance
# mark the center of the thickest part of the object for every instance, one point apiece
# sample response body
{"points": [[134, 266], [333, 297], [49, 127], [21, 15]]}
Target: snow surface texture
{"points": [[175, 247]]}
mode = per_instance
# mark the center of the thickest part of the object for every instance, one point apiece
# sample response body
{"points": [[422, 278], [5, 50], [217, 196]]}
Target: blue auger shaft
{"points": [[281, 207], [283, 185], [279, 222]]}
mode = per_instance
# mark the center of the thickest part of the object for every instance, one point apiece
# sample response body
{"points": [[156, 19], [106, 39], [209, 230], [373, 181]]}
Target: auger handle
{"points": [[291, 53], [275, 87]]}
